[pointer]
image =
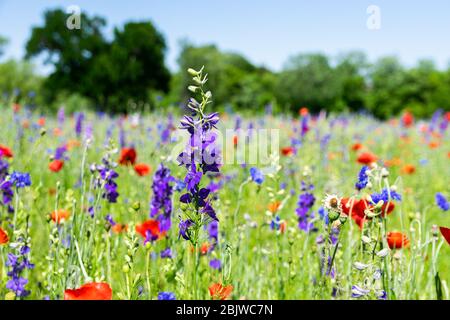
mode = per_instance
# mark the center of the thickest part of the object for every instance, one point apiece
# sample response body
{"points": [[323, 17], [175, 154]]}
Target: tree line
{"points": [[128, 73]]}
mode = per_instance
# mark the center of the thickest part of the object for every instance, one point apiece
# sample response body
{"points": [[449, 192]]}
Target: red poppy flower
{"points": [[219, 292], [273, 206], [41, 121], [303, 111], [127, 156], [407, 119], [397, 240], [118, 228], [408, 169], [90, 291], [204, 248], [235, 140], [56, 165], [5, 151], [3, 237], [16, 107], [357, 146], [142, 169], [445, 233], [367, 158], [60, 215], [287, 151], [283, 226], [356, 209], [151, 226]]}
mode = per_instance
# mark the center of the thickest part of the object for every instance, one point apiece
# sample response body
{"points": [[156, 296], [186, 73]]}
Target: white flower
{"points": [[360, 266], [383, 253], [332, 202]]}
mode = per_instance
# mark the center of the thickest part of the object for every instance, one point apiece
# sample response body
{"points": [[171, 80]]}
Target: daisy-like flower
{"points": [[332, 202]]}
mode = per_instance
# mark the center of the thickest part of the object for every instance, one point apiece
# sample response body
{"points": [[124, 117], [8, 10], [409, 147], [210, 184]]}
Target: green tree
{"points": [[309, 80], [3, 42], [112, 74]]}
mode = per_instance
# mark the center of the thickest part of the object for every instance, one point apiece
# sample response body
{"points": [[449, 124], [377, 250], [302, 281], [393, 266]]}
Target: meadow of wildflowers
{"points": [[100, 207]]}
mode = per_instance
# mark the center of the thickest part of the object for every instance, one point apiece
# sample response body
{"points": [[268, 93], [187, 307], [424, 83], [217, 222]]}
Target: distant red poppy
{"points": [[204, 248], [3, 237], [445, 233], [151, 226], [142, 169], [357, 146], [408, 169], [16, 107], [433, 144], [407, 119], [127, 156], [90, 291], [118, 228], [60, 215], [273, 206], [57, 132], [235, 140], [283, 226], [41, 121], [367, 158], [56, 165], [287, 151], [5, 151], [397, 240], [303, 111], [219, 292]]}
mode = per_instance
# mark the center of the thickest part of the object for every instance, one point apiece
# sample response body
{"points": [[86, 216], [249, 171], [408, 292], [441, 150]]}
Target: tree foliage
{"points": [[113, 74]]}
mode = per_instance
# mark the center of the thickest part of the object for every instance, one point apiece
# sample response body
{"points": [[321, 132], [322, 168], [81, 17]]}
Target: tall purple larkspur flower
{"points": [[201, 157], [305, 202], [79, 123], [161, 204], [106, 179], [304, 126], [60, 153], [61, 117], [18, 263], [6, 185]]}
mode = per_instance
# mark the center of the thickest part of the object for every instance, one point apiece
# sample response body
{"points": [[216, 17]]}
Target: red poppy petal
{"points": [[445, 233]]}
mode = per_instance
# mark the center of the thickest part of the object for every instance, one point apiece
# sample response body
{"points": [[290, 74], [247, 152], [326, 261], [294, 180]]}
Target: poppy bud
{"points": [[126, 268], [43, 132], [136, 206], [333, 215], [343, 219], [435, 231]]}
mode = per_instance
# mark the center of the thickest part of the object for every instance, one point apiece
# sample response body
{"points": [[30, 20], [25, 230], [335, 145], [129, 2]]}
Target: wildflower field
{"points": [[346, 207]]}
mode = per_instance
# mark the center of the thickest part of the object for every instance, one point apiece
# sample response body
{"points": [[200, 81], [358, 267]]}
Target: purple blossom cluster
{"points": [[161, 204], [18, 263], [305, 202], [201, 157], [106, 178], [6, 185]]}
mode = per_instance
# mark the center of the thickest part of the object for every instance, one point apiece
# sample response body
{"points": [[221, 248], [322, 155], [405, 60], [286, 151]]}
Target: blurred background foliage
{"points": [[127, 73]]}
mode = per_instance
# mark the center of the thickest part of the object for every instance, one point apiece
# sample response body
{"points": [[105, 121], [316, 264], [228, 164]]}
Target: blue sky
{"points": [[265, 31]]}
